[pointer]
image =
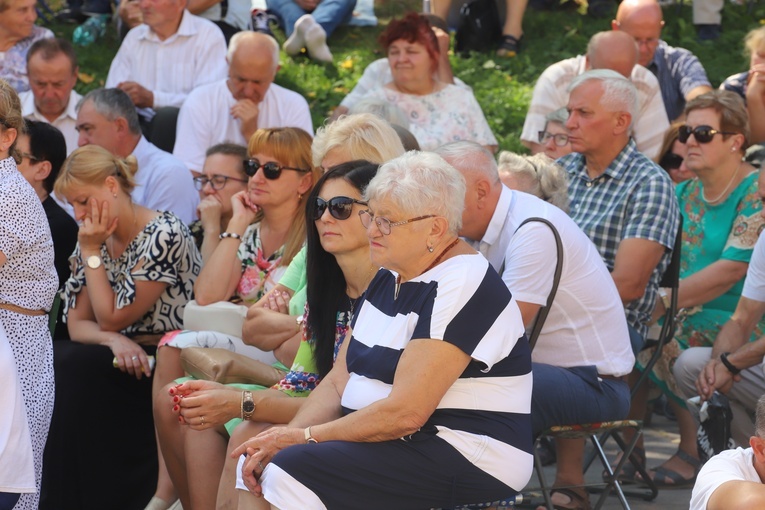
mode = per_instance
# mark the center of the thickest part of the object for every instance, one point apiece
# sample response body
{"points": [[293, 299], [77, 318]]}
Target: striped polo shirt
{"points": [[485, 415]]}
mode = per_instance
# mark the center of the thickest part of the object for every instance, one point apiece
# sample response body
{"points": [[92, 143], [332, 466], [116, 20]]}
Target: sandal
{"points": [[509, 46], [578, 499], [629, 472], [668, 479]]}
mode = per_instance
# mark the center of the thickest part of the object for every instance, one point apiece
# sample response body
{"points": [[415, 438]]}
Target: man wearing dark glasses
{"points": [[623, 201], [231, 110]]}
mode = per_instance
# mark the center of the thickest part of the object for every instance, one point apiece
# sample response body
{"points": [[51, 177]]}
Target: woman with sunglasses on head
{"points": [[222, 177], [673, 155], [338, 271], [721, 223]]}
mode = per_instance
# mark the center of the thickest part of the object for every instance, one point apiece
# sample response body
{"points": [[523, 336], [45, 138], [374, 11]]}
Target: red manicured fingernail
{"points": [[176, 408], [180, 419], [176, 399], [172, 391]]}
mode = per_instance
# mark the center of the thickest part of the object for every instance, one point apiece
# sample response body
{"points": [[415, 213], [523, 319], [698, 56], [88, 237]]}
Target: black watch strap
{"points": [[730, 366]]}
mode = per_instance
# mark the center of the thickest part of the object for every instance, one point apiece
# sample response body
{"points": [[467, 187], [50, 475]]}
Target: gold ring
{"points": [[202, 420]]}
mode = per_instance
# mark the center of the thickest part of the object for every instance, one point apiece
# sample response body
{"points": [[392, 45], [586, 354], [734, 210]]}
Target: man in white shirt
{"points": [[107, 117], [168, 56], [583, 351], [613, 50], [52, 70], [734, 478], [231, 110]]}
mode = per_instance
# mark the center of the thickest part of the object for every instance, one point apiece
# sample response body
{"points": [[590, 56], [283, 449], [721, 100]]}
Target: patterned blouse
{"points": [[259, 274], [303, 375], [163, 251], [13, 64]]}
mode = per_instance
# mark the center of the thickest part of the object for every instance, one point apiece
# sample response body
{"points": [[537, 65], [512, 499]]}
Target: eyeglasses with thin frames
{"points": [[217, 181], [271, 170], [384, 224], [561, 139], [30, 157]]}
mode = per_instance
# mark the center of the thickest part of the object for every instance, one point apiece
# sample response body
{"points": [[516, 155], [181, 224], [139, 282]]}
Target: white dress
{"points": [[28, 279]]}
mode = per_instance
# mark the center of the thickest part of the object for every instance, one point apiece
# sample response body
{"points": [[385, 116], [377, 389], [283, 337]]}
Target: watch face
{"points": [[248, 406], [94, 262]]}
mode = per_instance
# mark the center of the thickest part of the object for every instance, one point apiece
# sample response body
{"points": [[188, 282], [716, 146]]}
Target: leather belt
{"points": [[21, 310]]}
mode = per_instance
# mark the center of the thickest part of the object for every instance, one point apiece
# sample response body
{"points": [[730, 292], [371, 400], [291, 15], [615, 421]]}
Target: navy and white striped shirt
{"points": [[485, 415]]}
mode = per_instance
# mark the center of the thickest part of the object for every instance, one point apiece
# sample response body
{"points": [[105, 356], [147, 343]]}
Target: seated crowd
{"points": [[243, 301]]}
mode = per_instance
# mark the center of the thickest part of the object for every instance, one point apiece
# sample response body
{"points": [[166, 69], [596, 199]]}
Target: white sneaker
{"points": [[296, 41], [316, 42]]}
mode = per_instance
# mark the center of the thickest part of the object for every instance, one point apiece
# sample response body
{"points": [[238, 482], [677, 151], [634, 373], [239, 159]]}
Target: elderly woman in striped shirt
{"points": [[429, 400]]}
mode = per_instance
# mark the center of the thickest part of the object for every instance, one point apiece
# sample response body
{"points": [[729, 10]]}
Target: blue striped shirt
{"points": [[485, 414], [633, 198], [678, 71]]}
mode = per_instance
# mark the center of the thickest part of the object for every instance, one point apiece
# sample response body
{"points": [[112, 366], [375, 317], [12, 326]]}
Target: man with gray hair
{"points": [[583, 351], [734, 478], [231, 110], [606, 50], [623, 201], [107, 117]]}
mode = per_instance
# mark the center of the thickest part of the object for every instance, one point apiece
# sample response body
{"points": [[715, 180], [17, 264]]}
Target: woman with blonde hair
{"points": [[133, 272], [359, 136], [750, 84], [28, 284], [537, 175]]}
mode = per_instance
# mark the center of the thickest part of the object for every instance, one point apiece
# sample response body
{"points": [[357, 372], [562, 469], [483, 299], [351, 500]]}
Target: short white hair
{"points": [[241, 36], [421, 183], [619, 93], [546, 179], [470, 156]]}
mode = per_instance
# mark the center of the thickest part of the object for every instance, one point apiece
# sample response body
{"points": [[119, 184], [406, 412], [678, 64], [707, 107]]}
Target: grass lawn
{"points": [[502, 86]]}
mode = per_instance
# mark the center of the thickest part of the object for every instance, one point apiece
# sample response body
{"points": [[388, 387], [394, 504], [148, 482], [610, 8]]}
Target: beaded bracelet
{"points": [[231, 235]]}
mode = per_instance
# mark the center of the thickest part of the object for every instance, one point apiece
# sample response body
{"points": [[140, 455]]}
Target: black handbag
{"points": [[479, 27]]}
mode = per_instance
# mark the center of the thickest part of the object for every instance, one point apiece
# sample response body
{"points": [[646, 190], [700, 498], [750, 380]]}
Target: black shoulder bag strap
{"points": [[542, 313]]}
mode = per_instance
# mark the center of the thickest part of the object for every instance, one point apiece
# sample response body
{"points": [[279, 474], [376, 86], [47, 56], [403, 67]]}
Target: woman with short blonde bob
{"points": [[359, 136], [133, 272], [536, 175]]}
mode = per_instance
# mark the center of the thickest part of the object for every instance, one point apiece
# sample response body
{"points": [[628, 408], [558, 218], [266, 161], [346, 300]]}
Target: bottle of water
{"points": [[426, 8], [87, 33]]}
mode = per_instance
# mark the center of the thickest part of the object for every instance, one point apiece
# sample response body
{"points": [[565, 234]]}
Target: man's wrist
{"points": [[733, 369]]}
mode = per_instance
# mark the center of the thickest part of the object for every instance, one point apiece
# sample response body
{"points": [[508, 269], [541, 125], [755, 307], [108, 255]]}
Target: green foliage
{"points": [[503, 87]]}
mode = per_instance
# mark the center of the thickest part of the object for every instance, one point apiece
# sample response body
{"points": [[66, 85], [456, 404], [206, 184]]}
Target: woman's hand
{"points": [[261, 449], [205, 404], [96, 227], [131, 358], [242, 207], [278, 302], [209, 211]]}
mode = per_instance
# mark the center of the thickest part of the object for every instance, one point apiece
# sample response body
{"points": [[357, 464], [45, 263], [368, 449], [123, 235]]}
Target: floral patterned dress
{"points": [[725, 231], [447, 115]]}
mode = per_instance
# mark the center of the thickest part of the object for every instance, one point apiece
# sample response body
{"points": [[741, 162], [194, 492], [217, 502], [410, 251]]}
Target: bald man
{"points": [[231, 110], [606, 50], [681, 76]]}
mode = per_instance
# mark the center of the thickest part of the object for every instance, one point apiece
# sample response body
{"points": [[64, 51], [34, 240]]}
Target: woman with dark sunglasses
{"points": [[721, 222], [672, 158], [338, 271]]}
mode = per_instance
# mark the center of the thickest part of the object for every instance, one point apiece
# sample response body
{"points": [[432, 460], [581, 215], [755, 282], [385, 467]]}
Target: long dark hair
{"points": [[326, 283]]}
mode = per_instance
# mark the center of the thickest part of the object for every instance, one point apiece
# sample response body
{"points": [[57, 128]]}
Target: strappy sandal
{"points": [[578, 499], [669, 479], [629, 472], [509, 46]]}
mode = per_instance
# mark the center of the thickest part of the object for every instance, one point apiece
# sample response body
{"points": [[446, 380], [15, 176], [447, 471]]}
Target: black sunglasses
{"points": [[671, 161], [271, 170], [339, 207], [702, 134]]}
